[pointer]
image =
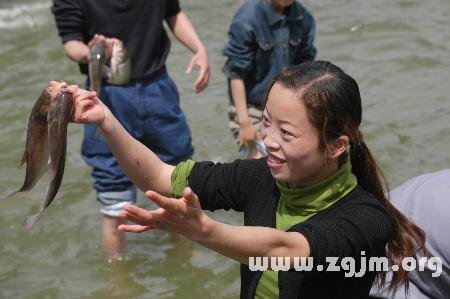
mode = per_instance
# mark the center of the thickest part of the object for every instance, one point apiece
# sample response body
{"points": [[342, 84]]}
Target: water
{"points": [[397, 51]]}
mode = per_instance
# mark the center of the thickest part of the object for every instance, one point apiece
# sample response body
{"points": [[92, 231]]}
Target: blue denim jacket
{"points": [[261, 43]]}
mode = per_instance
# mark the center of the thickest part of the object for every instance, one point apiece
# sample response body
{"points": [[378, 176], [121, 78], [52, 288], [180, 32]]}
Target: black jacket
{"points": [[356, 223]]}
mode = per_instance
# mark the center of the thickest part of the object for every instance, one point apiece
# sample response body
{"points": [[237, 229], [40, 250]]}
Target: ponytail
{"points": [[407, 238]]}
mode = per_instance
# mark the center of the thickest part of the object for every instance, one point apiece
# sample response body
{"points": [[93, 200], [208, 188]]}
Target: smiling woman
{"points": [[290, 136], [312, 196]]}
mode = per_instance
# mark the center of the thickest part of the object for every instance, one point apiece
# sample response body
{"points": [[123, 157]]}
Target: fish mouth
{"points": [[55, 87]]}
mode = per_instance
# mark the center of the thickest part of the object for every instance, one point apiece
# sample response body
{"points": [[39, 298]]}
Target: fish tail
{"points": [[33, 219], [9, 193]]}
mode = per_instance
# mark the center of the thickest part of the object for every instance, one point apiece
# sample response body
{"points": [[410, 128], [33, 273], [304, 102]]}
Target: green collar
{"points": [[299, 204]]}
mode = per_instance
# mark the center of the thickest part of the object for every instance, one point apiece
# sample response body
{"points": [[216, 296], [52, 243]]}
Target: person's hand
{"points": [[96, 39], [88, 107], [200, 59], [247, 134], [183, 216], [109, 41]]}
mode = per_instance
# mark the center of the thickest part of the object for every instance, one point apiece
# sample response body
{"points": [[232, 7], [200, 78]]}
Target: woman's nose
{"points": [[271, 143]]}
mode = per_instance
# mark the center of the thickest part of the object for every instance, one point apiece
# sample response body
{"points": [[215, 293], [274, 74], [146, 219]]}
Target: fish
{"points": [[120, 65], [116, 70], [36, 152], [96, 66], [58, 118]]}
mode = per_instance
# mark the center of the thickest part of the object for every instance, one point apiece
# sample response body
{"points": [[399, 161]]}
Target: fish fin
{"points": [[32, 220], [23, 160]]}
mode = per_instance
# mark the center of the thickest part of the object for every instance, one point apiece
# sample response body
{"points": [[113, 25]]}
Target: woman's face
{"points": [[292, 141]]}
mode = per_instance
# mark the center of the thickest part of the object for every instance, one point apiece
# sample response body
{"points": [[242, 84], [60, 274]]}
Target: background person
{"points": [[148, 107], [425, 200], [265, 36], [312, 196]]}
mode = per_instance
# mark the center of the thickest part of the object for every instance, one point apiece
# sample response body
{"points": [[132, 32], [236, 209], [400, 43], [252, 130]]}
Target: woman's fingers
{"points": [[171, 205], [142, 216], [191, 198], [137, 215], [133, 228], [84, 103]]}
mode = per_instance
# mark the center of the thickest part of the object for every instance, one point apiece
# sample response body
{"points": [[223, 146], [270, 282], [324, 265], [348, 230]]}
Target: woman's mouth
{"points": [[275, 162]]}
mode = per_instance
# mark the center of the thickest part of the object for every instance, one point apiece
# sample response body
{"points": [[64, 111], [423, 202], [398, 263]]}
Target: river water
{"points": [[398, 51]]}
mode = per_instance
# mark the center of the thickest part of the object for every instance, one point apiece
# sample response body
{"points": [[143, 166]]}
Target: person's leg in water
{"points": [[114, 189], [113, 242]]}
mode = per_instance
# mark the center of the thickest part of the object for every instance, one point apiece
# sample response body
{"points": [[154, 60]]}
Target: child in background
{"points": [[265, 37]]}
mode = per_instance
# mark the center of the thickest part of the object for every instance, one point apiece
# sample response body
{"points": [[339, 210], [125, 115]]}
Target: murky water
{"points": [[397, 51]]}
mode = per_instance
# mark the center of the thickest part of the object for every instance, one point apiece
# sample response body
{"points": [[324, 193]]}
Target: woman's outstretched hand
{"points": [[183, 216]]}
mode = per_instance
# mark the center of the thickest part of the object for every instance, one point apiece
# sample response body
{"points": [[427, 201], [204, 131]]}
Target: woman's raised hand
{"points": [[88, 107]]}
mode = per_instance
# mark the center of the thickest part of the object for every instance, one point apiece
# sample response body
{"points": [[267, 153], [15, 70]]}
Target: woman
{"points": [[318, 193]]}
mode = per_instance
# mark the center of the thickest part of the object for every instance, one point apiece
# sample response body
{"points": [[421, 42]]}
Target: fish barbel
{"points": [[36, 153], [58, 118], [97, 62], [120, 65]]}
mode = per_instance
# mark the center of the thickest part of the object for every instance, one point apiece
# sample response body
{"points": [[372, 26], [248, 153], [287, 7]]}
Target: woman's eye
{"points": [[284, 132]]}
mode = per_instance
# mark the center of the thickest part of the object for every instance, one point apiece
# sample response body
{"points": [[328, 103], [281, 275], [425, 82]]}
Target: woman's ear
{"points": [[338, 146]]}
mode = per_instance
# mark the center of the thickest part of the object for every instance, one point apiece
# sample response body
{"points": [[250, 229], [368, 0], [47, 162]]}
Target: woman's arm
{"points": [[185, 216], [138, 162], [185, 32]]}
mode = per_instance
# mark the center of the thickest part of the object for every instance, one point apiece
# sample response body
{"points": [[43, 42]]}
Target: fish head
{"points": [[55, 87], [120, 65], [62, 106], [40, 109], [98, 52], [119, 53]]}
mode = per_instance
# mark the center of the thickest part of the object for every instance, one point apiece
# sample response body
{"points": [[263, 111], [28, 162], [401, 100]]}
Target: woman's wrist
{"points": [[106, 124], [208, 228]]}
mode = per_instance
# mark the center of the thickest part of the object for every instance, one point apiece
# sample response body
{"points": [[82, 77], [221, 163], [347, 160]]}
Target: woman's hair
{"points": [[333, 104]]}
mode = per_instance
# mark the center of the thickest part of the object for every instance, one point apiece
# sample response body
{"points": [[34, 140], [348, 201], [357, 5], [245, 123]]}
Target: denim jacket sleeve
{"points": [[307, 50], [240, 50]]}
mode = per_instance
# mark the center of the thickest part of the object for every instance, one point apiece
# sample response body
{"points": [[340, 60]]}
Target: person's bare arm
{"points": [[247, 132], [185, 216], [77, 51], [185, 32], [138, 162]]}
